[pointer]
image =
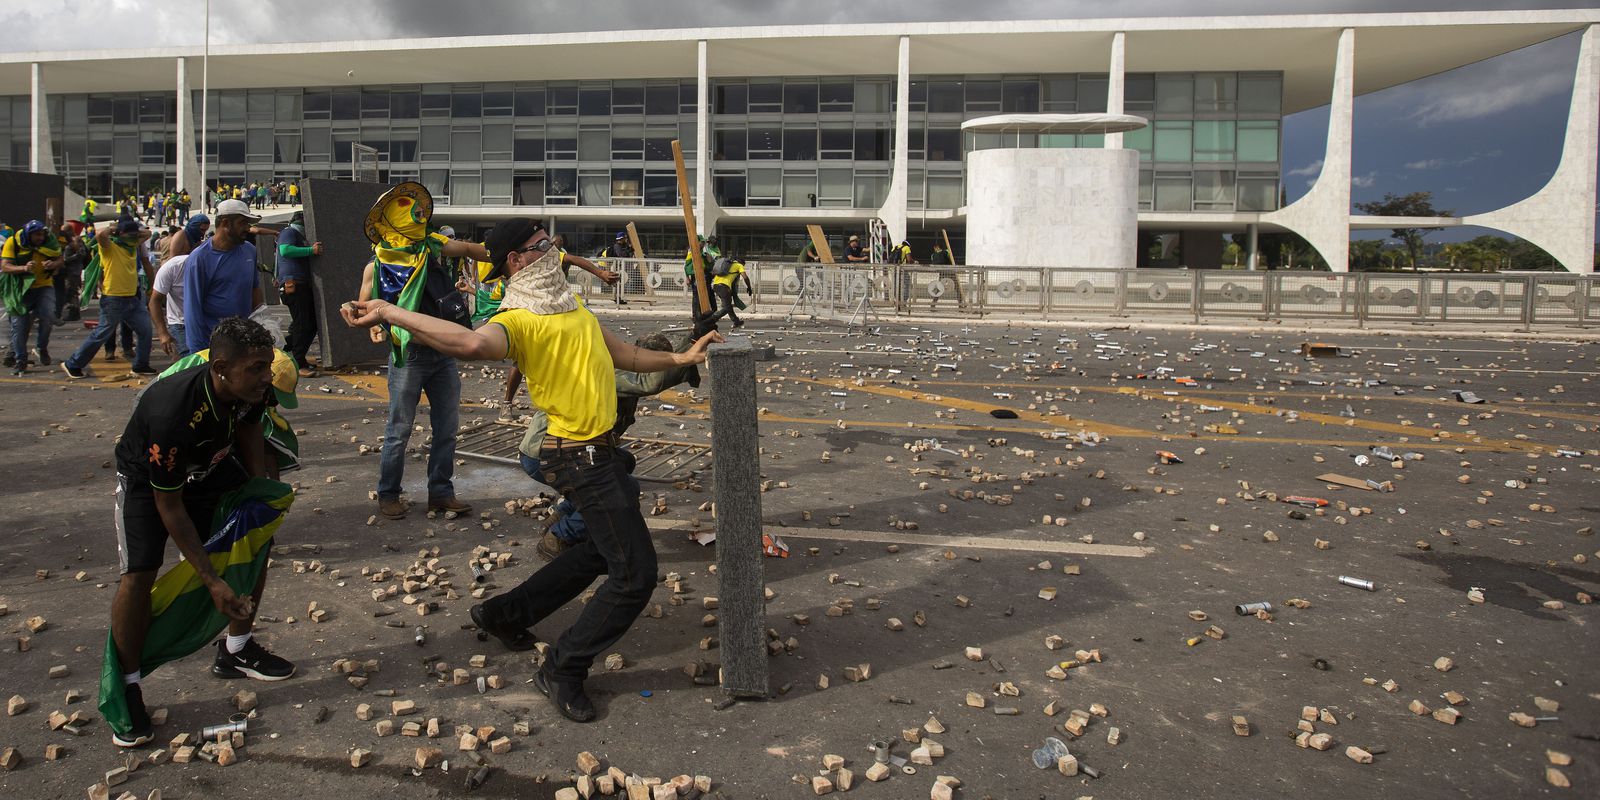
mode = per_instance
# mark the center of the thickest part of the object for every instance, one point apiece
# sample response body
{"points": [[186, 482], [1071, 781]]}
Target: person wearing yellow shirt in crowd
{"points": [[119, 299], [570, 363], [724, 271], [29, 260]]}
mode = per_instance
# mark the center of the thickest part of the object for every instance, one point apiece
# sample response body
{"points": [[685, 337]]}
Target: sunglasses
{"points": [[541, 246]]}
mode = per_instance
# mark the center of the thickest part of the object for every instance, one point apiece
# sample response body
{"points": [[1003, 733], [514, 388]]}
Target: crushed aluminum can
{"points": [[880, 751], [422, 636], [479, 574], [1246, 609], [1357, 583]]}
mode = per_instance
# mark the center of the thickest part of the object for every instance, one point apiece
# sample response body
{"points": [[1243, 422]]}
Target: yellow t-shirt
{"points": [[120, 269], [35, 258], [727, 280], [568, 368]]}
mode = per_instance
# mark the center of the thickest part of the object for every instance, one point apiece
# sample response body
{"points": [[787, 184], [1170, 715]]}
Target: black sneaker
{"points": [[569, 697], [44, 358], [252, 661], [518, 639], [11, 359], [139, 731], [74, 374], [145, 369], [20, 369]]}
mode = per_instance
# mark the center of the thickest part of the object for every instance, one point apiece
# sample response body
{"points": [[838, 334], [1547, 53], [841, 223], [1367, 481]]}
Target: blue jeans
{"points": [[569, 528], [114, 312], [425, 370], [41, 303], [178, 341]]}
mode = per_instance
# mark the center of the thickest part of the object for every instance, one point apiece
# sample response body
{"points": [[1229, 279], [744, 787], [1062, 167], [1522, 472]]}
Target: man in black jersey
{"points": [[193, 436]]}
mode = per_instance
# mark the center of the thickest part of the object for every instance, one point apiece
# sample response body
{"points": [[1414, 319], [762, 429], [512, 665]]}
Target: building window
{"points": [[1258, 141], [1019, 96], [800, 98], [766, 97], [594, 145], [627, 143], [529, 103], [466, 145], [765, 187], [836, 97], [730, 190], [499, 103], [563, 101], [1213, 191], [1258, 194], [944, 144], [466, 104], [800, 144], [1260, 94], [871, 97], [728, 144], [594, 102], [836, 144], [1174, 141], [594, 188], [1213, 140], [1174, 94], [661, 100], [660, 190], [561, 187], [528, 147], [627, 187], [1215, 93], [731, 98], [873, 144], [405, 105], [627, 100], [1174, 193], [945, 97], [983, 96], [346, 105], [765, 143]]}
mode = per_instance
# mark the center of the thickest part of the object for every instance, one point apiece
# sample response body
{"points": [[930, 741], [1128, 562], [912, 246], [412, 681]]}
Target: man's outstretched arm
{"points": [[487, 343]]}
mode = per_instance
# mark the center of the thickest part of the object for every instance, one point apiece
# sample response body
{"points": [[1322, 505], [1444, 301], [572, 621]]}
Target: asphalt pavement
{"points": [[1130, 494]]}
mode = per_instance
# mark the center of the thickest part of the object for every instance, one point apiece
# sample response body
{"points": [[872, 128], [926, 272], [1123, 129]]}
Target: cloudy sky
{"points": [[1478, 137]]}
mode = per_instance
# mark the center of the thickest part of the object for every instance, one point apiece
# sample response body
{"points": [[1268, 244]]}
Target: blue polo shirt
{"points": [[216, 285]]}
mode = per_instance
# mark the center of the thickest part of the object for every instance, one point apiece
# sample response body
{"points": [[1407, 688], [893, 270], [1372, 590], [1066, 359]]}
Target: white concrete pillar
{"points": [[1252, 245], [1560, 216], [894, 213], [1322, 216], [41, 158], [188, 165], [1115, 86], [704, 203]]}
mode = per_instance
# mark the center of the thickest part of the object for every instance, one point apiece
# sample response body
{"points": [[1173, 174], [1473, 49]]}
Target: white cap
{"points": [[235, 208]]}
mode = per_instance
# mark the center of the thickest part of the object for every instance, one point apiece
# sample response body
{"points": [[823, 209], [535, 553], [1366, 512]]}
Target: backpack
{"points": [[722, 266]]}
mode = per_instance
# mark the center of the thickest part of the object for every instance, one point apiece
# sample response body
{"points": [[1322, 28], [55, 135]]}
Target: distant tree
{"points": [[1366, 254], [1416, 204]]}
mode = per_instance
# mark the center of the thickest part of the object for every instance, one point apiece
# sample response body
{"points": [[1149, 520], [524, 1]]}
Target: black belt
{"points": [[608, 440]]}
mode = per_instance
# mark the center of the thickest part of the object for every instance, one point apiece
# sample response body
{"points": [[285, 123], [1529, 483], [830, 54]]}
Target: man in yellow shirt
{"points": [[724, 271], [29, 260], [119, 299], [570, 364]]}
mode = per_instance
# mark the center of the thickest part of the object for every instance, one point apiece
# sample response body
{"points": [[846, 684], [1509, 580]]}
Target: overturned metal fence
{"points": [[845, 291]]}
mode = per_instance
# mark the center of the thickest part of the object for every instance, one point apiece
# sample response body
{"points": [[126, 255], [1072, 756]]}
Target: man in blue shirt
{"points": [[219, 279], [294, 282]]}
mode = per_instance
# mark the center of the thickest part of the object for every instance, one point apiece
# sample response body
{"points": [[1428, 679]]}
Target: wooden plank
{"points": [[638, 252], [820, 243], [1344, 480], [701, 283], [933, 540], [947, 249]]}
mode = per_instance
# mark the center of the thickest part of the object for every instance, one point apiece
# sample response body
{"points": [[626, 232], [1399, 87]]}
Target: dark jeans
{"points": [[302, 322], [724, 297], [618, 547], [570, 528], [114, 312]]}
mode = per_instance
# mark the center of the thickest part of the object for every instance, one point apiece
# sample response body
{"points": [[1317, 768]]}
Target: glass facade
{"points": [[1213, 143]]}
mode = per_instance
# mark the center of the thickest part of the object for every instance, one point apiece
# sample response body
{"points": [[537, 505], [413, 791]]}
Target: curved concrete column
{"points": [[1560, 216], [41, 158], [893, 213], [1322, 216], [1115, 87], [1053, 207], [188, 165]]}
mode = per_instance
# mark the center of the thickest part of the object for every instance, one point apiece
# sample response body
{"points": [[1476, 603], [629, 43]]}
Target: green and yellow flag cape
{"points": [[398, 274], [14, 285], [182, 616]]}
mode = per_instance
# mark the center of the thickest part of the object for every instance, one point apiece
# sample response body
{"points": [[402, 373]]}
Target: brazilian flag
{"points": [[182, 616], [398, 275], [13, 285], [91, 273]]}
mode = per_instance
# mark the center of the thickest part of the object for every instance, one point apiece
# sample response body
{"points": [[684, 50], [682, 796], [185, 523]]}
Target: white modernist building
{"points": [[788, 125]]}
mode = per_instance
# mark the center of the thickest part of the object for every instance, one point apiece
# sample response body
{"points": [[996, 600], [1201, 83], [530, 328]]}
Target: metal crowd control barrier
{"points": [[1518, 301]]}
